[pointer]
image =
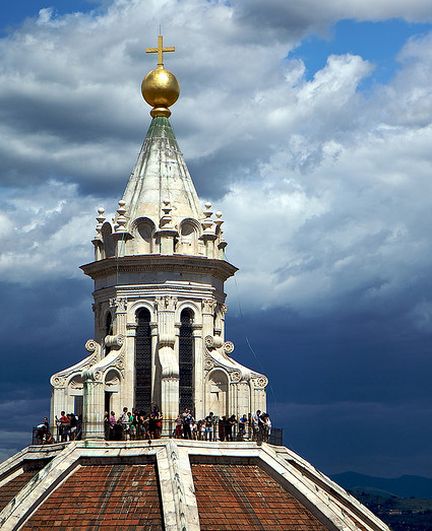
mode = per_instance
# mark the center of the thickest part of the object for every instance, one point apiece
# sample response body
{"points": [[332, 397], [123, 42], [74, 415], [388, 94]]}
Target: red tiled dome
{"points": [[173, 485]]}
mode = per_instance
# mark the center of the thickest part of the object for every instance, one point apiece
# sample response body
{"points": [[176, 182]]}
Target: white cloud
{"points": [[357, 224], [327, 188], [49, 228]]}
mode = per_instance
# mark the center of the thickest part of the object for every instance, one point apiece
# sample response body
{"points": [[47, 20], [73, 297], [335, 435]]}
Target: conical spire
{"points": [[160, 174]]}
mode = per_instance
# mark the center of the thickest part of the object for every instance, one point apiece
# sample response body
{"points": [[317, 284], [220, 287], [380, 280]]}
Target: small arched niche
{"points": [[108, 240], [217, 393], [144, 236], [188, 238], [76, 389], [76, 382], [112, 386], [112, 381]]}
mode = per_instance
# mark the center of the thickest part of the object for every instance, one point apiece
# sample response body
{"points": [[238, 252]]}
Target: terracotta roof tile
{"points": [[12, 487], [245, 497], [104, 496]]}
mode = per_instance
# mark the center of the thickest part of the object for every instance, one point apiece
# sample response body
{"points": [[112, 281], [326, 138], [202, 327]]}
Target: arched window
{"points": [[108, 330], [186, 360], [143, 361]]}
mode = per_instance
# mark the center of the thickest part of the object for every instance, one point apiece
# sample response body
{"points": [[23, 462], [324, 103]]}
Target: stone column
{"points": [[166, 240], [127, 383], [169, 364], [220, 320], [208, 307], [98, 249], [209, 236], [233, 398], [93, 405], [198, 381], [258, 395], [130, 359], [120, 305]]}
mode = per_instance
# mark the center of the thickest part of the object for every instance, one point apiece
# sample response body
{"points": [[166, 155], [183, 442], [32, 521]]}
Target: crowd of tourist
{"points": [[68, 428], [133, 425], [255, 427], [138, 425]]}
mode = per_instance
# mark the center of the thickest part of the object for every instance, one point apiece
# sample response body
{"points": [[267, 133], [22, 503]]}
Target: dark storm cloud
{"points": [[70, 118], [379, 440], [222, 167], [325, 192], [276, 17], [46, 326], [44, 341], [300, 17], [357, 382]]}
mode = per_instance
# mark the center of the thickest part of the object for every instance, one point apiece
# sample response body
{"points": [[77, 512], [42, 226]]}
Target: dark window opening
{"points": [[186, 361], [108, 402], [78, 405], [143, 361]]}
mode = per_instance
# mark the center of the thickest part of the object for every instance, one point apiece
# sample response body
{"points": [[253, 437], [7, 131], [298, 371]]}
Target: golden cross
{"points": [[160, 50]]}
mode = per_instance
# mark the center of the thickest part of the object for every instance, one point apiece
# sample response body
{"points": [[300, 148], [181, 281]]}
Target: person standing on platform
{"points": [[209, 422]]}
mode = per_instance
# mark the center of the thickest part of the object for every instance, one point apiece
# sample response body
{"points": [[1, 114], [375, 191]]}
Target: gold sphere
{"points": [[160, 88]]}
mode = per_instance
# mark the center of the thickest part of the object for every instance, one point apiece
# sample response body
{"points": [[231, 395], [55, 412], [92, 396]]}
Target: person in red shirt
{"points": [[63, 424]]}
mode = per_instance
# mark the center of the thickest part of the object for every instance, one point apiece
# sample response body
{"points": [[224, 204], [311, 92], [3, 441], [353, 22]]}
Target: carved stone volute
{"points": [[114, 342]]}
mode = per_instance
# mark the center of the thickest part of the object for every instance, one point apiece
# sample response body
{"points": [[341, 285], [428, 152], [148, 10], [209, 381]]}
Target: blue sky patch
{"points": [[13, 13], [377, 42]]}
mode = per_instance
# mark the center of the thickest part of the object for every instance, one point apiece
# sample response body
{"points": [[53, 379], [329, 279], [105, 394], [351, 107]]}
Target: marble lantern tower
{"points": [[159, 303]]}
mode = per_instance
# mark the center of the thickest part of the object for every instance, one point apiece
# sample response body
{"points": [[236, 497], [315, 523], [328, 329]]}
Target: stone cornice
{"points": [[157, 263]]}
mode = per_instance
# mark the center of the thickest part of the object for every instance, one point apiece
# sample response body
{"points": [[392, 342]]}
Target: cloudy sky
{"points": [[309, 125]]}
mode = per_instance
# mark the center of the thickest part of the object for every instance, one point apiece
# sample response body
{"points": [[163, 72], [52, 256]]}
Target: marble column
{"points": [[198, 376], [169, 364], [93, 406]]}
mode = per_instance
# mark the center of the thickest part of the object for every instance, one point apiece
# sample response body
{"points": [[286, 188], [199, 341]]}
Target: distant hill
{"points": [[404, 486]]}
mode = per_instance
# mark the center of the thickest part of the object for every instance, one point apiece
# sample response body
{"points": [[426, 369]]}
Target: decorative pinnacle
{"points": [[100, 219], [121, 219], [218, 220]]}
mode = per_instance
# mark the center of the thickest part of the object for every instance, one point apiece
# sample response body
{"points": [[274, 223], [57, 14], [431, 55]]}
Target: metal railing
{"points": [[168, 431]]}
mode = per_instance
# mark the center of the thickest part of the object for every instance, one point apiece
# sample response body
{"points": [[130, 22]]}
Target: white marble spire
{"points": [[160, 212], [160, 174]]}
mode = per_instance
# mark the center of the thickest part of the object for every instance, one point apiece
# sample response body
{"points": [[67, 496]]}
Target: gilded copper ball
{"points": [[160, 88]]}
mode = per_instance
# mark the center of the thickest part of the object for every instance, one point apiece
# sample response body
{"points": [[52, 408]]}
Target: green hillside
{"points": [[401, 514]]}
